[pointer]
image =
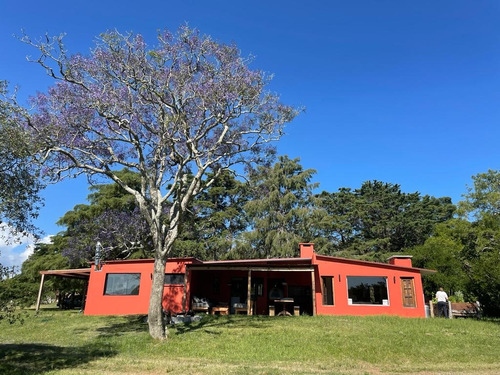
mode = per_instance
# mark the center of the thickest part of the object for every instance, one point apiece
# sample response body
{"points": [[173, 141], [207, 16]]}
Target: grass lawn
{"points": [[66, 342]]}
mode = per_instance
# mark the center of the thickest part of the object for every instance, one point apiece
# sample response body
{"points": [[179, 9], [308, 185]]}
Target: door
{"points": [[408, 292], [238, 293]]}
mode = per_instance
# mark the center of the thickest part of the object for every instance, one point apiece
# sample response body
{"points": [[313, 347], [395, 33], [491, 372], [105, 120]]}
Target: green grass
{"points": [[66, 342]]}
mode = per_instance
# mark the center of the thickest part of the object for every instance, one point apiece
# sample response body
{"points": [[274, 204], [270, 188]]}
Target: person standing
{"points": [[442, 300]]}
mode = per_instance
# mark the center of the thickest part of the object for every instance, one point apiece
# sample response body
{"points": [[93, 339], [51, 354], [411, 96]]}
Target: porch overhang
{"points": [[78, 273], [249, 268], [294, 265]]}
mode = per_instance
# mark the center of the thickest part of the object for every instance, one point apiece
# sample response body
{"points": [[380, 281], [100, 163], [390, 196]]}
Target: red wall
{"points": [[202, 283], [99, 304], [174, 294], [339, 270]]}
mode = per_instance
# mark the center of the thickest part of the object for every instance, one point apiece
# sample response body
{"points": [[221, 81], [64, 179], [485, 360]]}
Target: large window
{"points": [[122, 284], [327, 289], [174, 278], [367, 290]]}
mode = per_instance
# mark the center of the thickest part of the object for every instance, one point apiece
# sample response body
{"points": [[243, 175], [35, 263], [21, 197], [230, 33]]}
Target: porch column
{"points": [[249, 293], [313, 290], [184, 309], [38, 300]]}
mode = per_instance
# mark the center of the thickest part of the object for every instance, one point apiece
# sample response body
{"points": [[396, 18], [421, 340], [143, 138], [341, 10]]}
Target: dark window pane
{"points": [[371, 290], [327, 290], [122, 284], [174, 278]]}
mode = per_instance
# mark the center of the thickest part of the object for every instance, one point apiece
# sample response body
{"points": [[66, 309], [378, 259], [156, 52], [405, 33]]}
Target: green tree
{"points": [[482, 265], [483, 198], [443, 252], [19, 183], [338, 219], [221, 215], [23, 287], [481, 253], [392, 220], [378, 219], [466, 251], [19, 188], [280, 210], [8, 305], [214, 220]]}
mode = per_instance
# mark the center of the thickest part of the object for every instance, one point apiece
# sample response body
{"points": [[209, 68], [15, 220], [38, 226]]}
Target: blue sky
{"points": [[404, 92]]}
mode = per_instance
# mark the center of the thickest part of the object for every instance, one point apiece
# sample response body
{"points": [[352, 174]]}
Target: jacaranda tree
{"points": [[112, 218], [189, 106]]}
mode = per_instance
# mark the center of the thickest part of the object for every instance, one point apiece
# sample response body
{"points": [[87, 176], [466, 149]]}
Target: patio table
{"points": [[284, 303]]}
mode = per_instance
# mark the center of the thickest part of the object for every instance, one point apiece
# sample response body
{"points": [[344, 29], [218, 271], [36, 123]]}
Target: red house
{"points": [[311, 284]]}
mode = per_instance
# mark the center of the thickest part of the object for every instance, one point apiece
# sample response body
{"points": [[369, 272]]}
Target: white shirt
{"points": [[441, 296]]}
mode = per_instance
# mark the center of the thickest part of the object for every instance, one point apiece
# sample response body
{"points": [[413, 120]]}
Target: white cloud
{"points": [[15, 249]]}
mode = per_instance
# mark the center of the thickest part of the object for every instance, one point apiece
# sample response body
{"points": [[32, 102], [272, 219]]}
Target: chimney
{"points": [[401, 260], [306, 250]]}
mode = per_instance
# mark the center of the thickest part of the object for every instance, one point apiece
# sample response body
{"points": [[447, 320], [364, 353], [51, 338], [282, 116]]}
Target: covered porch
{"points": [[80, 274], [254, 287]]}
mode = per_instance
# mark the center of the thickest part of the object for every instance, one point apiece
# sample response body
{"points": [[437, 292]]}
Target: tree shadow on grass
{"points": [[131, 324], [231, 321], [21, 359]]}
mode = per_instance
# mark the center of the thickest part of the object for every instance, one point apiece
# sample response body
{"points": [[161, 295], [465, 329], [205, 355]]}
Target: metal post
{"points": [[98, 249]]}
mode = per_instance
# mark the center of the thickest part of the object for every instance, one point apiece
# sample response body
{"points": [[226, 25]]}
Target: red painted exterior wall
{"points": [[97, 303], [340, 270], [216, 285], [173, 294]]}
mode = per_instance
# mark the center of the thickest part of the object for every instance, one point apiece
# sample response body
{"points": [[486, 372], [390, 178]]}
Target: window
{"points": [[122, 284], [257, 287], [174, 278], [367, 290], [327, 289]]}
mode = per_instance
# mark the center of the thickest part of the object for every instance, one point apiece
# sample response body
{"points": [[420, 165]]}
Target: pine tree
{"points": [[281, 209]]}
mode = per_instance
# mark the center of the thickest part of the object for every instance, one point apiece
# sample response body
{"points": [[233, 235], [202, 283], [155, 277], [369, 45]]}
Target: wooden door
{"points": [[408, 292]]}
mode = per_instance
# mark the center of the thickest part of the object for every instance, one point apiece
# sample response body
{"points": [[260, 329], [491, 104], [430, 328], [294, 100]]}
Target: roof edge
{"points": [[423, 271]]}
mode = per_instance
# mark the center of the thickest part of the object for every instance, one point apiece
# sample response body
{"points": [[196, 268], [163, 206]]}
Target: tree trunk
{"points": [[156, 318]]}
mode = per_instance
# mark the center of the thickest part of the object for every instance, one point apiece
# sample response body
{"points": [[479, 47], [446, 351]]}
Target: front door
{"points": [[408, 292]]}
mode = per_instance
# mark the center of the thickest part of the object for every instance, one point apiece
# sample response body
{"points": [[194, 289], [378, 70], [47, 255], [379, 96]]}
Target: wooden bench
{"points": [[201, 309], [222, 310]]}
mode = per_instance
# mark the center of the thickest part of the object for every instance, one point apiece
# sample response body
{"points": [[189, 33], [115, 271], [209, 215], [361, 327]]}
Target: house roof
{"points": [[259, 262], [423, 271], [245, 264], [148, 260]]}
